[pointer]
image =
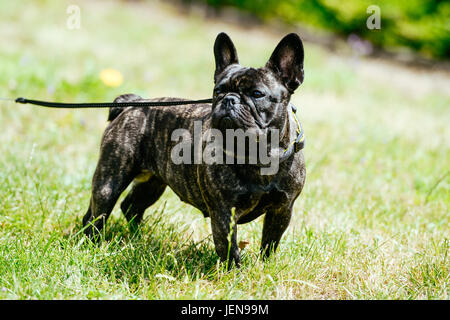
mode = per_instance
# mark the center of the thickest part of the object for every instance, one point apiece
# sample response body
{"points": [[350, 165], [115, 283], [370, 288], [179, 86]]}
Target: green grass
{"points": [[372, 221]]}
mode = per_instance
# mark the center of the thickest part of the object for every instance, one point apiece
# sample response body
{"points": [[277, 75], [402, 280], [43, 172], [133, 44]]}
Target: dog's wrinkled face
{"points": [[247, 98], [255, 99]]}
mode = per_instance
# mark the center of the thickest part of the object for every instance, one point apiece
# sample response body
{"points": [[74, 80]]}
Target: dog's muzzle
{"points": [[230, 113], [230, 101]]}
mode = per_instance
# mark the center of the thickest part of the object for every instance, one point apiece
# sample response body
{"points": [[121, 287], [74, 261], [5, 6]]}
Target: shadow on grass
{"points": [[156, 249]]}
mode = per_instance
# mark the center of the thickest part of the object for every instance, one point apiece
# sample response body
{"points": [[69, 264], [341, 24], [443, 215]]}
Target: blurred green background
{"points": [[420, 25]]}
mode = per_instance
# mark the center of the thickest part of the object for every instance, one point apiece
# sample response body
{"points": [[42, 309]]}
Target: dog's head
{"points": [[255, 99]]}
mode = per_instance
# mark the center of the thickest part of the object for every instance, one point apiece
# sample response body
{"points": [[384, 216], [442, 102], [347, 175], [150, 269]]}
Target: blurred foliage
{"points": [[422, 25]]}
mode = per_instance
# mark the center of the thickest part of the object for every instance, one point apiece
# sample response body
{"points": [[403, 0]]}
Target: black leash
{"points": [[110, 104], [294, 147]]}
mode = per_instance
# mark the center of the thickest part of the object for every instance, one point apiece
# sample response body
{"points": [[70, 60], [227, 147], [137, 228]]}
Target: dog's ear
{"points": [[224, 53], [287, 61]]}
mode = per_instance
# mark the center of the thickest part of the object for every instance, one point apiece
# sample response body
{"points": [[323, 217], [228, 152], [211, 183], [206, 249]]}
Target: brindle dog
{"points": [[136, 146]]}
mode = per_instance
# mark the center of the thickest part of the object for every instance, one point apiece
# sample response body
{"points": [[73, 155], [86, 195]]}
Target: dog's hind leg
{"points": [[106, 189], [117, 166], [142, 195]]}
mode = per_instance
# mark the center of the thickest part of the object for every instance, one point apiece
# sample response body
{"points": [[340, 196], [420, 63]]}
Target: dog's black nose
{"points": [[230, 101]]}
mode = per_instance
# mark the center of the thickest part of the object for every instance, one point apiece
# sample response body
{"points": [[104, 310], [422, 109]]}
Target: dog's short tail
{"points": [[115, 111]]}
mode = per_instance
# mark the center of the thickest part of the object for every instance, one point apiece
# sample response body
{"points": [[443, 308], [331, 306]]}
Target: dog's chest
{"points": [[257, 200]]}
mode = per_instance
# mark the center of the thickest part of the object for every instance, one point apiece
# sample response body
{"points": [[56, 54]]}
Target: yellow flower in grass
{"points": [[111, 77]]}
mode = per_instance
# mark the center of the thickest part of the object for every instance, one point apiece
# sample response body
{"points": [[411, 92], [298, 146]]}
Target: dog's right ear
{"points": [[224, 53]]}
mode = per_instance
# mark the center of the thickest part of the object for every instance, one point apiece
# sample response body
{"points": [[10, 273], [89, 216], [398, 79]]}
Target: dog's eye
{"points": [[257, 94], [217, 91]]}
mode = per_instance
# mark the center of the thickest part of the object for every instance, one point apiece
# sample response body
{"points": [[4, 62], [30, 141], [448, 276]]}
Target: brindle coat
{"points": [[136, 146]]}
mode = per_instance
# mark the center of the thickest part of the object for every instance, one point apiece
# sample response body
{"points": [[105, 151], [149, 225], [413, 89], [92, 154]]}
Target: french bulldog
{"points": [[138, 146]]}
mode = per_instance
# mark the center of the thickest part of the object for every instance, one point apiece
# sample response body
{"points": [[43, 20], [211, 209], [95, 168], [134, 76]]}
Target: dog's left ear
{"points": [[224, 53], [287, 61]]}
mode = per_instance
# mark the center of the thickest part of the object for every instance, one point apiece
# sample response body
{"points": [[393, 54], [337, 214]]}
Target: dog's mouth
{"points": [[226, 122]]}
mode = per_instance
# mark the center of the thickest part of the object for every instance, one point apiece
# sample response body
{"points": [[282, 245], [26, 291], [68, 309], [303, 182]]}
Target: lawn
{"points": [[371, 223]]}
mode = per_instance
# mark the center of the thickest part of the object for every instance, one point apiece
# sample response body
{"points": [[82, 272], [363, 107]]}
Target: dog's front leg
{"points": [[224, 230], [276, 222]]}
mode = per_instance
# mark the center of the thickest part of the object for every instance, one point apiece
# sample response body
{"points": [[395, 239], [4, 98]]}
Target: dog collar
{"points": [[299, 143]]}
